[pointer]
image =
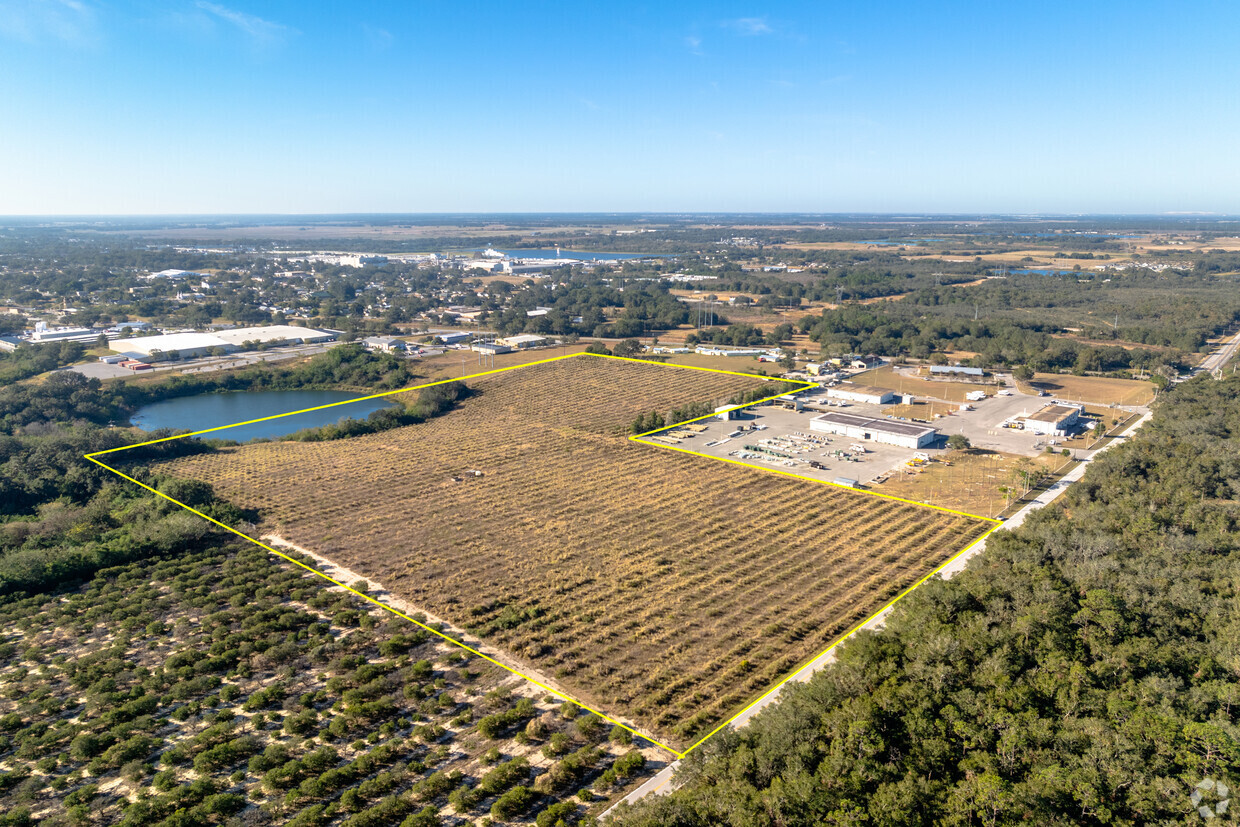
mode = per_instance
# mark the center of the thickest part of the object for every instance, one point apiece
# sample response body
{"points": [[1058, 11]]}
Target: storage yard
{"points": [[660, 587]]}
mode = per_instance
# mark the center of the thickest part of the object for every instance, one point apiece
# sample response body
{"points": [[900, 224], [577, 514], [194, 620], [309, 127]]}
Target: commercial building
{"points": [[452, 337], [885, 431], [42, 334], [523, 341], [1056, 419], [275, 333], [491, 348], [183, 344], [867, 362], [852, 392], [383, 344]]}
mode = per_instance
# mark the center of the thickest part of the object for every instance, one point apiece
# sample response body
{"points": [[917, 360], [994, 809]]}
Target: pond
{"points": [[212, 410]]}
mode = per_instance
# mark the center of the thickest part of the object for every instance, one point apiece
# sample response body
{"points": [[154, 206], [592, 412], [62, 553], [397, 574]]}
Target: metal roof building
{"points": [[886, 431], [958, 370], [184, 344], [274, 333], [861, 393], [524, 340], [1053, 420]]}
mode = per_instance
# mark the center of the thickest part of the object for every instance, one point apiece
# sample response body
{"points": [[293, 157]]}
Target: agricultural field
{"points": [[664, 589], [1098, 390], [228, 686]]}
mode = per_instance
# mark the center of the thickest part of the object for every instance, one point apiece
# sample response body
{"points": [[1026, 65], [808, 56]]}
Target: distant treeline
{"points": [[1084, 669]]}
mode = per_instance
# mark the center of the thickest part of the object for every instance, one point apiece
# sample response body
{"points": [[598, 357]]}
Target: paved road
{"points": [[1221, 356], [661, 784]]}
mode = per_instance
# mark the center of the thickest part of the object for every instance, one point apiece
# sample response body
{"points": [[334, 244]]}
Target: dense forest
{"points": [[1084, 669]]}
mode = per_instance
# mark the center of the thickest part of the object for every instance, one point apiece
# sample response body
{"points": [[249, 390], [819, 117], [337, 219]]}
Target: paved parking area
{"points": [[780, 430]]}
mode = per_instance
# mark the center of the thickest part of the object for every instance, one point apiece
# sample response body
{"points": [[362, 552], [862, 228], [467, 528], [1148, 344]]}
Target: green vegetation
{"points": [[1043, 322], [1085, 669], [188, 689]]}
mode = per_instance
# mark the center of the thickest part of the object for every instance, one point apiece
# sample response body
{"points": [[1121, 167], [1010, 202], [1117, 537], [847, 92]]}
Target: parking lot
{"points": [[787, 432], [782, 439]]}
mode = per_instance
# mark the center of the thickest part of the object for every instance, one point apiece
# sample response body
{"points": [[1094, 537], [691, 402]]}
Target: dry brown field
{"points": [[972, 483], [663, 588], [1098, 390], [925, 411]]}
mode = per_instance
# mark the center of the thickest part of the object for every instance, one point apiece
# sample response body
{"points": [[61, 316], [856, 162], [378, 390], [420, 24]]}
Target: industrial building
{"points": [[523, 341], [491, 348], [183, 344], [383, 344], [885, 431], [853, 392], [275, 333], [1056, 419], [867, 362], [452, 337], [191, 343]]}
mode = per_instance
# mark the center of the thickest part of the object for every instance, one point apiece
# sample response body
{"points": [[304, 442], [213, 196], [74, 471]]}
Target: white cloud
{"points": [[749, 26], [31, 21], [694, 43], [261, 32]]}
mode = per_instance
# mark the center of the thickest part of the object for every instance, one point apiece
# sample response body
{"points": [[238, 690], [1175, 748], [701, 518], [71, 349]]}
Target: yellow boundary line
{"points": [[635, 438], [780, 685]]}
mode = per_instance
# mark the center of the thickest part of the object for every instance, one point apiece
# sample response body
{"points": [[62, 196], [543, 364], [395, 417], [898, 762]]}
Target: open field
{"points": [[653, 585], [925, 411], [229, 683], [738, 364], [976, 481], [1098, 390]]}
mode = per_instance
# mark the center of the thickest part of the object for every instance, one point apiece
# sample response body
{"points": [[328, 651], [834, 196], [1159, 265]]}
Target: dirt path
{"points": [[385, 596]]}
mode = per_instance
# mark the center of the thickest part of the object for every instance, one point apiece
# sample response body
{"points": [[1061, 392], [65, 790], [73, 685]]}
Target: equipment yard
{"points": [[664, 589]]}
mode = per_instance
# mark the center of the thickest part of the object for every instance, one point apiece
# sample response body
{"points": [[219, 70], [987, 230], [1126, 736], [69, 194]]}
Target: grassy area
{"points": [[737, 364], [973, 480], [1098, 390], [925, 411], [650, 584]]}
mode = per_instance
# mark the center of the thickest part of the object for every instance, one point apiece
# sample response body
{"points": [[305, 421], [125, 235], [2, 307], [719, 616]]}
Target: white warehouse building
{"points": [[853, 392], [183, 344], [885, 431], [1054, 420], [275, 333]]}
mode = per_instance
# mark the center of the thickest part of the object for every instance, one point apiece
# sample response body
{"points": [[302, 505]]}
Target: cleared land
{"points": [[1098, 390], [661, 587], [976, 481]]}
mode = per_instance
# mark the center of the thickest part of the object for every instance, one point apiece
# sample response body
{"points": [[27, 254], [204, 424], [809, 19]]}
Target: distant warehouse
{"points": [[886, 431], [523, 341], [191, 344], [853, 392], [275, 333], [1053, 420]]}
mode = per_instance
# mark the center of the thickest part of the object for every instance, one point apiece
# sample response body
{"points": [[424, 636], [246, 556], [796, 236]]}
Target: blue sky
{"points": [[238, 106]]}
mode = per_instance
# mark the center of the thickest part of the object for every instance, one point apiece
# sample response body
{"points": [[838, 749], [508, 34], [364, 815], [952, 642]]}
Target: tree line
{"points": [[1084, 669]]}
